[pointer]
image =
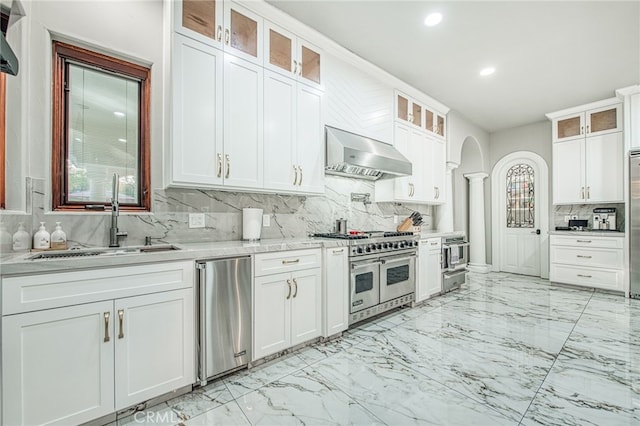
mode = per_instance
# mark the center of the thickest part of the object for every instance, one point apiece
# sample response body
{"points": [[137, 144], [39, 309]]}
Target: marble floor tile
{"points": [[503, 349], [303, 398]]}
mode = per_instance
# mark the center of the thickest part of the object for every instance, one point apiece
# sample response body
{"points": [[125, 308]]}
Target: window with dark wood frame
{"points": [[87, 147]]}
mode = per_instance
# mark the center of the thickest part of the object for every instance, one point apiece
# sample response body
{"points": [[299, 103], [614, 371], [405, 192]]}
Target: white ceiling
{"points": [[549, 55]]}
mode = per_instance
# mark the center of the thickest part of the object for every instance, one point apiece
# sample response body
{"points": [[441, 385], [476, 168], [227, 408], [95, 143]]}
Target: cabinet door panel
{"points": [[336, 291], [280, 47], [568, 127], [272, 314], [310, 140], [243, 123], [604, 168], [154, 338], [568, 172], [403, 186], [402, 107], [604, 120], [197, 113], [56, 366], [200, 20], [243, 33], [279, 131], [305, 306], [310, 61], [439, 169]]}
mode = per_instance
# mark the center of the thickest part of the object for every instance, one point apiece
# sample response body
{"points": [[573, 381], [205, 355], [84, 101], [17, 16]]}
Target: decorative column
{"points": [[445, 211], [477, 250]]}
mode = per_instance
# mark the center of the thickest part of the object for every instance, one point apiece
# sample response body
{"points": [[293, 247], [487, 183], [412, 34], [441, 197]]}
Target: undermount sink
{"points": [[106, 251]]}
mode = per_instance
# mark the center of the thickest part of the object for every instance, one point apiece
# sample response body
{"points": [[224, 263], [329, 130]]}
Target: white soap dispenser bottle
{"points": [[42, 239], [21, 239], [58, 238]]}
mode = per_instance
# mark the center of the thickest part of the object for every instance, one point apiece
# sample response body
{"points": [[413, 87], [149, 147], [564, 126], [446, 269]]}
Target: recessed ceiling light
{"points": [[118, 114], [487, 71], [433, 19], [122, 140]]}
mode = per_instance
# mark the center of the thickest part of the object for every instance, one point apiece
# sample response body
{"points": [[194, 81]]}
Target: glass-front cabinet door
{"points": [[402, 107], [200, 20], [568, 127], [279, 48], [309, 63], [604, 120], [243, 33]]}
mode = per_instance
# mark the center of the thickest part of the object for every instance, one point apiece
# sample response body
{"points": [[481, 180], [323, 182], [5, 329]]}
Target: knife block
{"points": [[406, 225]]}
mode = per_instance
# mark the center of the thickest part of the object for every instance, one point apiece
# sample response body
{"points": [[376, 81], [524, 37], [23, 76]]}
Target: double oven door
{"points": [[378, 279]]}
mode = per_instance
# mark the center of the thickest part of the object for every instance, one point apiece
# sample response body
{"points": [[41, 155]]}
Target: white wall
{"points": [[131, 30]]}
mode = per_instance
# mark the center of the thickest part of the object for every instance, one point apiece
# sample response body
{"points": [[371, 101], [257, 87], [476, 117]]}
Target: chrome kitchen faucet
{"points": [[114, 234]]}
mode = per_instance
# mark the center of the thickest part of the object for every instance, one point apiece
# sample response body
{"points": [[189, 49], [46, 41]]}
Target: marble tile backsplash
{"points": [[291, 216], [585, 211]]}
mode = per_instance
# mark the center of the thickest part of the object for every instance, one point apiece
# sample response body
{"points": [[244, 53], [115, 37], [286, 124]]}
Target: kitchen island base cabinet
{"points": [[429, 273], [286, 304], [66, 363]]}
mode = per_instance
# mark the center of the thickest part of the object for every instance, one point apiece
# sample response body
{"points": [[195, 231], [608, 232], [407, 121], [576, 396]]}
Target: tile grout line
{"points": [[556, 358]]}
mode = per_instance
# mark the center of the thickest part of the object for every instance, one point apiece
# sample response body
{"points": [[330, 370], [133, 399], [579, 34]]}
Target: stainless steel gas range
{"points": [[382, 271]]}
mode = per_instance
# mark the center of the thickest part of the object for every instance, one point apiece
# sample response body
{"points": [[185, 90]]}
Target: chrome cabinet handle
{"points": [[588, 192], [287, 262], [219, 33], [120, 321], [588, 128], [289, 294], [584, 276], [582, 130], [296, 284], [227, 36], [228, 166], [295, 175], [434, 244], [583, 257], [299, 68], [219, 165], [583, 241], [295, 66], [301, 175], [107, 315], [338, 251], [582, 193]]}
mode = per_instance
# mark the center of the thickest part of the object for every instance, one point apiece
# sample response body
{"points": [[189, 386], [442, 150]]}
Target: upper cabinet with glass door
{"points": [[291, 56], [225, 25], [419, 115], [596, 121]]}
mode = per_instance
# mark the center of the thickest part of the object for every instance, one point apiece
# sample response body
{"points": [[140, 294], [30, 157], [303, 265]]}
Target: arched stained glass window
{"points": [[520, 197]]}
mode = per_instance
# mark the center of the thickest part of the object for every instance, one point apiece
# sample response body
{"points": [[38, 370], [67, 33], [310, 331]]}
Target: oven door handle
{"points": [[455, 273], [449, 245], [397, 259], [365, 264]]}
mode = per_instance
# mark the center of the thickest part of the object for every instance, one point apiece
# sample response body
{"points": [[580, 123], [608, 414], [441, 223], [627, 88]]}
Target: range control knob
{"points": [[378, 246], [359, 250], [368, 249], [395, 245], [402, 244]]}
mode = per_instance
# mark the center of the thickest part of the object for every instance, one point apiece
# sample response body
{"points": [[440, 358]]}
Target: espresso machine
{"points": [[604, 219]]}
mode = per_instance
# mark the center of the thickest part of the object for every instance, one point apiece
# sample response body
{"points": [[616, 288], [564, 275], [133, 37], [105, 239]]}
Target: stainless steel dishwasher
{"points": [[224, 288]]}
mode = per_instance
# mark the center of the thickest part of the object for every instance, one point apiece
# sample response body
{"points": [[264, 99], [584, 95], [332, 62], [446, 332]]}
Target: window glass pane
{"points": [[103, 136], [520, 197]]}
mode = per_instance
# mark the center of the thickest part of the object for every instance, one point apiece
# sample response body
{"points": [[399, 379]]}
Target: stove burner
{"points": [[354, 235], [341, 236]]}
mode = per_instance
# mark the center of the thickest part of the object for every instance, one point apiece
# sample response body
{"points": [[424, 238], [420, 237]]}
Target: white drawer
{"points": [[602, 258], [287, 261], [587, 241], [609, 279], [432, 244], [45, 291]]}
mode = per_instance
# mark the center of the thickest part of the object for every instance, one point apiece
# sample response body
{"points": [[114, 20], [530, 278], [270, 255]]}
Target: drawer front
{"points": [[287, 261], [587, 241], [432, 244], [603, 258], [609, 279], [45, 291]]}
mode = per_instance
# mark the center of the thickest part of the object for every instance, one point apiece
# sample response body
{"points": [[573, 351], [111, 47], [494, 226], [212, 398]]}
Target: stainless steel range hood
{"points": [[348, 154], [8, 59]]}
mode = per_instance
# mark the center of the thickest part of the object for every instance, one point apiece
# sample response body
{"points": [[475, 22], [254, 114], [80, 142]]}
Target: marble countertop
{"points": [[435, 234], [19, 263], [592, 233]]}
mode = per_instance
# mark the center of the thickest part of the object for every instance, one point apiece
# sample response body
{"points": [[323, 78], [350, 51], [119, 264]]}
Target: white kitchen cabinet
{"points": [[587, 260], [225, 25], [293, 136], [420, 115], [287, 305], [57, 366], [289, 55], [335, 295], [589, 170], [73, 351], [591, 120], [429, 274], [426, 183], [197, 114], [242, 151]]}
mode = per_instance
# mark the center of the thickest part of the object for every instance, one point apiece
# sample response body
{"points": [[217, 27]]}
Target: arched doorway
{"points": [[520, 214]]}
